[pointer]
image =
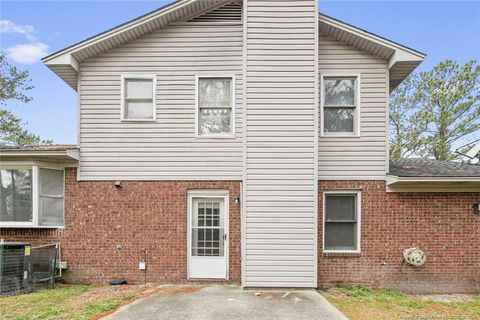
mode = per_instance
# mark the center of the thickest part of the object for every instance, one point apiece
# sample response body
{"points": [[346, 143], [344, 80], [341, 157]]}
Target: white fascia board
{"points": [[402, 53], [73, 154], [402, 56], [62, 60], [120, 29], [395, 179]]}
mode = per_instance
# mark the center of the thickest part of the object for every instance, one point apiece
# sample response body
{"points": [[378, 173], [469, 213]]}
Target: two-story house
{"points": [[243, 141]]}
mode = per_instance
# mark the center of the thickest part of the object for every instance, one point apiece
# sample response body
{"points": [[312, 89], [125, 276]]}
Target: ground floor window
{"points": [[341, 221], [31, 196]]}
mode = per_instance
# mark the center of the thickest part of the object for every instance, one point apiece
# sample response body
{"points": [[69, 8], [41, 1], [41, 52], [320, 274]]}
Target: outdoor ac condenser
{"points": [[14, 275]]}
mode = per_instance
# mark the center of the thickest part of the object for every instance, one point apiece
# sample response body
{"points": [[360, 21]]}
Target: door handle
{"points": [[224, 237]]}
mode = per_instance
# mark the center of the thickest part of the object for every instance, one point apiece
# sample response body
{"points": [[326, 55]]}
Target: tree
{"points": [[405, 130], [14, 85], [435, 110]]}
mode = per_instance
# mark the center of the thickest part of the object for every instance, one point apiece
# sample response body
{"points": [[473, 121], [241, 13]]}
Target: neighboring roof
{"points": [[402, 60], [53, 151], [432, 168]]}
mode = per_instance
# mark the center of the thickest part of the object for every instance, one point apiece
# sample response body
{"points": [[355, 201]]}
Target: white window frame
{"points": [[230, 135], [357, 114], [35, 195], [125, 77], [358, 193]]}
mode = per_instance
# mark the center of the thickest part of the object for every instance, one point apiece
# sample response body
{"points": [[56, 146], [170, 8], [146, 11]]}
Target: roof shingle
{"points": [[416, 167]]}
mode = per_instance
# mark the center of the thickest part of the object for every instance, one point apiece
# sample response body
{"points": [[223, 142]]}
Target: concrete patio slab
{"points": [[229, 302]]}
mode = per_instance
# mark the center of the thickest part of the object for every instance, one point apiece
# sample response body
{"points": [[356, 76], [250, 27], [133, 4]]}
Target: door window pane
{"points": [[207, 235], [16, 195]]}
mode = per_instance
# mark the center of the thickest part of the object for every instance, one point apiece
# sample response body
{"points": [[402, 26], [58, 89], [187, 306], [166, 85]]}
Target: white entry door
{"points": [[208, 238]]}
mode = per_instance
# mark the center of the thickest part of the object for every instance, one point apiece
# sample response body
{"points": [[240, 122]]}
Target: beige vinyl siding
{"points": [[280, 223], [364, 157], [166, 148]]}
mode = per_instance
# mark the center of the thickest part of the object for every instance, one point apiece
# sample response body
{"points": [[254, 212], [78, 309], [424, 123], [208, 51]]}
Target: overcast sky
{"points": [[33, 29]]}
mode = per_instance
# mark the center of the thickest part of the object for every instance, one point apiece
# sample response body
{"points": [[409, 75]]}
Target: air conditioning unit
{"points": [[14, 262]]}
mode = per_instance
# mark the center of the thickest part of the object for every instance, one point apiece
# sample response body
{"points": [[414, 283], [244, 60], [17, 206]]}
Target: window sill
{"points": [[199, 137], [12, 226], [138, 120], [342, 254], [346, 135]]}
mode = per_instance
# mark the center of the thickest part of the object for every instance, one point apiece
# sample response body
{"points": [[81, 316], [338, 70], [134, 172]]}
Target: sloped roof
{"points": [[402, 60], [432, 168], [65, 62]]}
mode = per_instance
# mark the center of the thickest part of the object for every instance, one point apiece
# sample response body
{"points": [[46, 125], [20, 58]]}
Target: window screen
{"points": [[341, 222], [16, 195], [50, 207], [339, 104], [138, 99], [215, 106]]}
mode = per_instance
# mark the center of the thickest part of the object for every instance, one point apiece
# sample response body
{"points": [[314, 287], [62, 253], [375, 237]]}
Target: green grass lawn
{"points": [[360, 303], [74, 302]]}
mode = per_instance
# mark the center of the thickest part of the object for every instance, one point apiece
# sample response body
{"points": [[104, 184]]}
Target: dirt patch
{"points": [[447, 298], [173, 291]]}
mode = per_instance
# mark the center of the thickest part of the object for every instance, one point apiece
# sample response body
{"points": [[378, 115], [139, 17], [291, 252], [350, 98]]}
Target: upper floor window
{"points": [[340, 112], [138, 98], [31, 197], [215, 107]]}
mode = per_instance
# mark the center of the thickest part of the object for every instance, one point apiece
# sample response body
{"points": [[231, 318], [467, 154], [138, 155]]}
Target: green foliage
{"points": [[432, 111], [13, 133], [14, 85]]}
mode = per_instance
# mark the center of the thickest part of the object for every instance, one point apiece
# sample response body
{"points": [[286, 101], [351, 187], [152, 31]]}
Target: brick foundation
{"points": [[141, 215], [443, 225]]}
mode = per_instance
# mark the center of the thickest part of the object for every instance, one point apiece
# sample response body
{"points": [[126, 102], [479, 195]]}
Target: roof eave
{"points": [[432, 184], [402, 60], [69, 154]]}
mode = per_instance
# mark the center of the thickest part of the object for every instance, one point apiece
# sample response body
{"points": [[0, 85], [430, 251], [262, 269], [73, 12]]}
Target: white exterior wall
{"points": [[165, 149], [366, 156], [280, 156]]}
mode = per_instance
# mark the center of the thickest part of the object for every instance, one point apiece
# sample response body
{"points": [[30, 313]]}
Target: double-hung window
{"points": [[340, 106], [31, 197], [215, 107], [342, 221], [138, 98]]}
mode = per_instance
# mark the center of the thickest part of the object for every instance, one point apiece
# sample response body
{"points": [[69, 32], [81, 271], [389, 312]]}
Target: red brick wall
{"points": [[443, 225], [141, 215]]}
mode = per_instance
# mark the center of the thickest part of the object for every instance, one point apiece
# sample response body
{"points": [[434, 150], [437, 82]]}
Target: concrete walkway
{"points": [[229, 302]]}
